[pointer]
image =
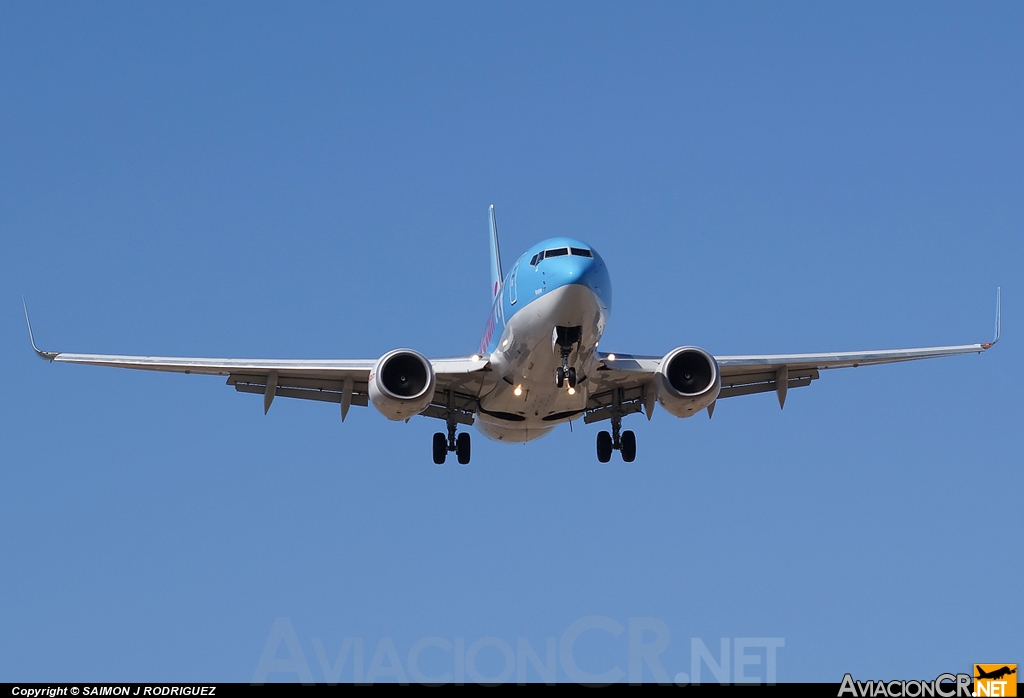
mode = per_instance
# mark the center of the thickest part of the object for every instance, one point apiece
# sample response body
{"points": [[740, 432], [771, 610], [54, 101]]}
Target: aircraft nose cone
{"points": [[572, 270], [587, 272], [578, 267]]}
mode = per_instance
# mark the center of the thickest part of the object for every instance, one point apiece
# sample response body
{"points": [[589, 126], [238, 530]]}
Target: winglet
{"points": [[496, 276], [986, 345], [48, 355]]}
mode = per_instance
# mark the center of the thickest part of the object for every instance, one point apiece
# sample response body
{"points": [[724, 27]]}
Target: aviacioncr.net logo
{"points": [[943, 686]]}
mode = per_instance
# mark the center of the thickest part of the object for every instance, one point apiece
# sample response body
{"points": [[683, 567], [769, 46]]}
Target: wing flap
{"points": [[304, 388], [302, 393], [604, 404], [763, 383]]}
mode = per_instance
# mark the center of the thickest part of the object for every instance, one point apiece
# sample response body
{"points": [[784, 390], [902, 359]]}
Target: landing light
{"points": [[518, 391], [505, 343], [475, 357], [610, 357], [572, 391]]}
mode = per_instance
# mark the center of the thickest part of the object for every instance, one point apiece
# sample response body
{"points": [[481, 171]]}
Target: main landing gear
{"points": [[443, 444], [625, 443]]}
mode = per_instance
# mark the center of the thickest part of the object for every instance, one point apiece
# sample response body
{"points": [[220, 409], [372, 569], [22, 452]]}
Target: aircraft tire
{"points": [[440, 448], [559, 376], [628, 446], [462, 448], [571, 375], [604, 446]]}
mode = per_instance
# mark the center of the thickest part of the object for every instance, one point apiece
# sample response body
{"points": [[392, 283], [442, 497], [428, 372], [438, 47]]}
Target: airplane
{"points": [[537, 366], [996, 674]]}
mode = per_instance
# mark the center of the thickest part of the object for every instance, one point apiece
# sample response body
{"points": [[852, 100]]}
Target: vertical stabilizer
{"points": [[496, 275]]}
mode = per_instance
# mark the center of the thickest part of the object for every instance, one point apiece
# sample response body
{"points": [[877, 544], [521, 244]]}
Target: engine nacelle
{"points": [[688, 380], [401, 384]]}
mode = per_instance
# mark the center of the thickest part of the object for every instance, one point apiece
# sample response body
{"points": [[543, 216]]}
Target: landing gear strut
{"points": [[460, 445], [624, 442]]}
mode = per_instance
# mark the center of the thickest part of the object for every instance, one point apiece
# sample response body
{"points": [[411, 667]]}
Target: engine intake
{"points": [[401, 384], [687, 381]]}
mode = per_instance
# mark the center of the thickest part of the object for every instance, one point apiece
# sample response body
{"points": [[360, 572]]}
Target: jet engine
{"points": [[401, 384], [688, 380]]}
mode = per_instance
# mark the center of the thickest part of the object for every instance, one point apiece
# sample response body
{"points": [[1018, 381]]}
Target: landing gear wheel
{"points": [[604, 446], [440, 448], [462, 448], [628, 446], [571, 376], [559, 376]]}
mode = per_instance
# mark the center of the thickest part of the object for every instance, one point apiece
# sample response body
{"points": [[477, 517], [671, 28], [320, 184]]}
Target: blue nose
{"points": [[563, 271]]}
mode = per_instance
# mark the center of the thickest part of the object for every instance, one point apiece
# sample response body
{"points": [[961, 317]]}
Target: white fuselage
{"points": [[526, 359]]}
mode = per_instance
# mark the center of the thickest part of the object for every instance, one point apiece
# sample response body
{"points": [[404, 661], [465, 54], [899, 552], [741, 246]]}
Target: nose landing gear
{"points": [[564, 339], [565, 374]]}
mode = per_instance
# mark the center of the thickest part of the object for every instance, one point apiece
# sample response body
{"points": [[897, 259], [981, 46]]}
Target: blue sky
{"points": [[312, 182]]}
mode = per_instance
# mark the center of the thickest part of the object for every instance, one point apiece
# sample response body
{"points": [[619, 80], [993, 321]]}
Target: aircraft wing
{"points": [[327, 380], [745, 375]]}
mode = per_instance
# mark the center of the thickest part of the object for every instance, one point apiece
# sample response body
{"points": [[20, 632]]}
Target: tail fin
{"points": [[496, 275]]}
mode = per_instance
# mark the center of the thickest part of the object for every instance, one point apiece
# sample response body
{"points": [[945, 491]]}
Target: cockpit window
{"points": [[560, 252]]}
